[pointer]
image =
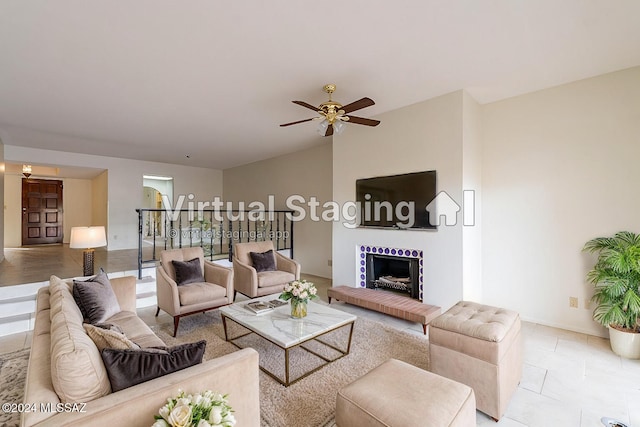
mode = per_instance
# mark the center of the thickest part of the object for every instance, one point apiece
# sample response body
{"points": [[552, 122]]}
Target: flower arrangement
{"points": [[206, 409], [299, 291]]}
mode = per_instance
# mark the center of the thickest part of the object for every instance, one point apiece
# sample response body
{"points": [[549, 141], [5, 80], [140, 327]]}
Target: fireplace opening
{"points": [[399, 274]]}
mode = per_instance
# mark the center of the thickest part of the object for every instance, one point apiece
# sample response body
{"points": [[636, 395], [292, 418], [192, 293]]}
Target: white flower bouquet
{"points": [[299, 291], [207, 409]]}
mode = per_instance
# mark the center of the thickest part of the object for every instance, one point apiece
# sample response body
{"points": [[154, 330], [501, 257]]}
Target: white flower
{"points": [[205, 401], [197, 399], [180, 416], [160, 423], [230, 419], [215, 417], [184, 401], [164, 412], [203, 423]]}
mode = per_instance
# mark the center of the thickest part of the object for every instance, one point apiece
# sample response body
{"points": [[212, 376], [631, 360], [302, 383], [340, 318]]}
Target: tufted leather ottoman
{"points": [[398, 394], [480, 346]]}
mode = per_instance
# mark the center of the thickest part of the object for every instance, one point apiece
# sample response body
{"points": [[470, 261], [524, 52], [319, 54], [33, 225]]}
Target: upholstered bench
{"points": [[398, 394], [386, 302], [480, 346]]}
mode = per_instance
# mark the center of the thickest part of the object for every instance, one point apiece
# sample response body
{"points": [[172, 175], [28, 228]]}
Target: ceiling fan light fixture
{"points": [[322, 127], [333, 114]]}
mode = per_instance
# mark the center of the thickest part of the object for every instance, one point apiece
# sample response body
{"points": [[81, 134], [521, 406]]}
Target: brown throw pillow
{"points": [[188, 271], [95, 298], [127, 368], [263, 261], [106, 338]]}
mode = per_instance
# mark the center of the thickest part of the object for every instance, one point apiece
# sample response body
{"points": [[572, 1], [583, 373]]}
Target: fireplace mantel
{"points": [[364, 250]]}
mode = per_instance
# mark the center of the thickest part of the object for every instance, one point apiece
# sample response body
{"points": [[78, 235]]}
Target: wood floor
{"points": [[37, 263]]}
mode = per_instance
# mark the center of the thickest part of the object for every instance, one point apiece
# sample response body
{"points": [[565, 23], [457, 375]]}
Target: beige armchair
{"points": [[191, 298], [252, 283]]}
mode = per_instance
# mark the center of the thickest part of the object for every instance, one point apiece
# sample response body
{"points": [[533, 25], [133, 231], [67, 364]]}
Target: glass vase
{"points": [[298, 308]]}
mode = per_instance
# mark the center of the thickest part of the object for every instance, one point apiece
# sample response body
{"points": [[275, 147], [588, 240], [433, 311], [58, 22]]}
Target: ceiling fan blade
{"points": [[304, 104], [329, 131], [357, 105], [295, 123], [363, 121]]}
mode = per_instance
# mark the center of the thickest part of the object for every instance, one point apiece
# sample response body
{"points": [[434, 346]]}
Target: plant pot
{"points": [[625, 344]]}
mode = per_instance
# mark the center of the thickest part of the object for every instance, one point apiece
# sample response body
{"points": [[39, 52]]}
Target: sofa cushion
{"points": [[195, 293], [263, 261], [188, 271], [127, 368], [135, 329], [95, 298], [106, 338], [273, 278], [77, 371]]}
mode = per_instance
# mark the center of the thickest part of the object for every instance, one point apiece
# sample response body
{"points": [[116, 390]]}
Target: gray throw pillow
{"points": [[188, 271], [95, 298], [263, 261], [127, 368]]}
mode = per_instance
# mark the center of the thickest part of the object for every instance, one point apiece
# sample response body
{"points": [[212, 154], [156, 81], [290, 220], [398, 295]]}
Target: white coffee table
{"points": [[279, 328]]}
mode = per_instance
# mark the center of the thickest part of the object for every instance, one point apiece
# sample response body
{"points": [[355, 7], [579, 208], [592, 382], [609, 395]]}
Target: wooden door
{"points": [[41, 211]]}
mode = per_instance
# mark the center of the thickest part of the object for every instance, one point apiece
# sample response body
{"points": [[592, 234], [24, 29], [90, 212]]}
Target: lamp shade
{"points": [[87, 237]]}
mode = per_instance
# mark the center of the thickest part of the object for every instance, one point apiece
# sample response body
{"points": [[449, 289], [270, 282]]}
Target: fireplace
{"points": [[394, 269]]}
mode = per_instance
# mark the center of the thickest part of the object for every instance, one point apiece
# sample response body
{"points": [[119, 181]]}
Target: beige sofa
{"points": [[65, 366]]}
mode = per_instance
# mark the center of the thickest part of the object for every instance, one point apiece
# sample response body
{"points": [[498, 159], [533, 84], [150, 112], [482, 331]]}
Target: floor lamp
{"points": [[87, 238]]}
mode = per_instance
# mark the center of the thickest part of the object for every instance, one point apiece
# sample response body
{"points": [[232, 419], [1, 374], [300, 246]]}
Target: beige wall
{"points": [[13, 211], [2, 198], [420, 137], [124, 180], [306, 173], [100, 200], [77, 205], [560, 167]]}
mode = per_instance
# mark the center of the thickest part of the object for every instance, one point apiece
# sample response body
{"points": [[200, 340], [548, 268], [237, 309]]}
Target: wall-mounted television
{"points": [[385, 201]]}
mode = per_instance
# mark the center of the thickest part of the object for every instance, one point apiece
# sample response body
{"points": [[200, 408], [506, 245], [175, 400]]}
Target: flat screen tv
{"points": [[385, 201]]}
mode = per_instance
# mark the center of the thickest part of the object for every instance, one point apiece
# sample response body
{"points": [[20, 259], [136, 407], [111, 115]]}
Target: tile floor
{"points": [[36, 263], [569, 379]]}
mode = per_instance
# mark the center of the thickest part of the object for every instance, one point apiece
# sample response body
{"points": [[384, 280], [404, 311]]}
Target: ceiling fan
{"points": [[333, 115]]}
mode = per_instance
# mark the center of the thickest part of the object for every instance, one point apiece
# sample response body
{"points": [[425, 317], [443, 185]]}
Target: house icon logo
{"points": [[443, 205]]}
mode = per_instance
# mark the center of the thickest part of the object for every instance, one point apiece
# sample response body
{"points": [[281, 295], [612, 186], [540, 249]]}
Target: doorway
{"points": [[153, 190], [41, 212]]}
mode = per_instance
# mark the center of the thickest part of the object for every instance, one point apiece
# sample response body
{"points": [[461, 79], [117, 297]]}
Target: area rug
{"points": [[13, 372], [309, 402]]}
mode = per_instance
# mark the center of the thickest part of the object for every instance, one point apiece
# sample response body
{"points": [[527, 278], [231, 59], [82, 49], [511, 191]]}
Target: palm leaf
{"points": [[616, 278]]}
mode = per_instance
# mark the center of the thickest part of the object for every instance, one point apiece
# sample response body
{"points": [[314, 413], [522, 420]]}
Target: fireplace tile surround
{"points": [[364, 250]]}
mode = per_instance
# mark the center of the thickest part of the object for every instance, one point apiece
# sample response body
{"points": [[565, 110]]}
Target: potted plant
{"points": [[616, 278]]}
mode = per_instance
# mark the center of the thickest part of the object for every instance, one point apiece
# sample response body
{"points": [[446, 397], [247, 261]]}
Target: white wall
{"points": [[560, 166], [125, 185], [306, 173], [472, 186], [420, 137]]}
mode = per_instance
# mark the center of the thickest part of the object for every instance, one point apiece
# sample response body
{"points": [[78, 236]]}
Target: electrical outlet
{"points": [[573, 302], [587, 304], [329, 263]]}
